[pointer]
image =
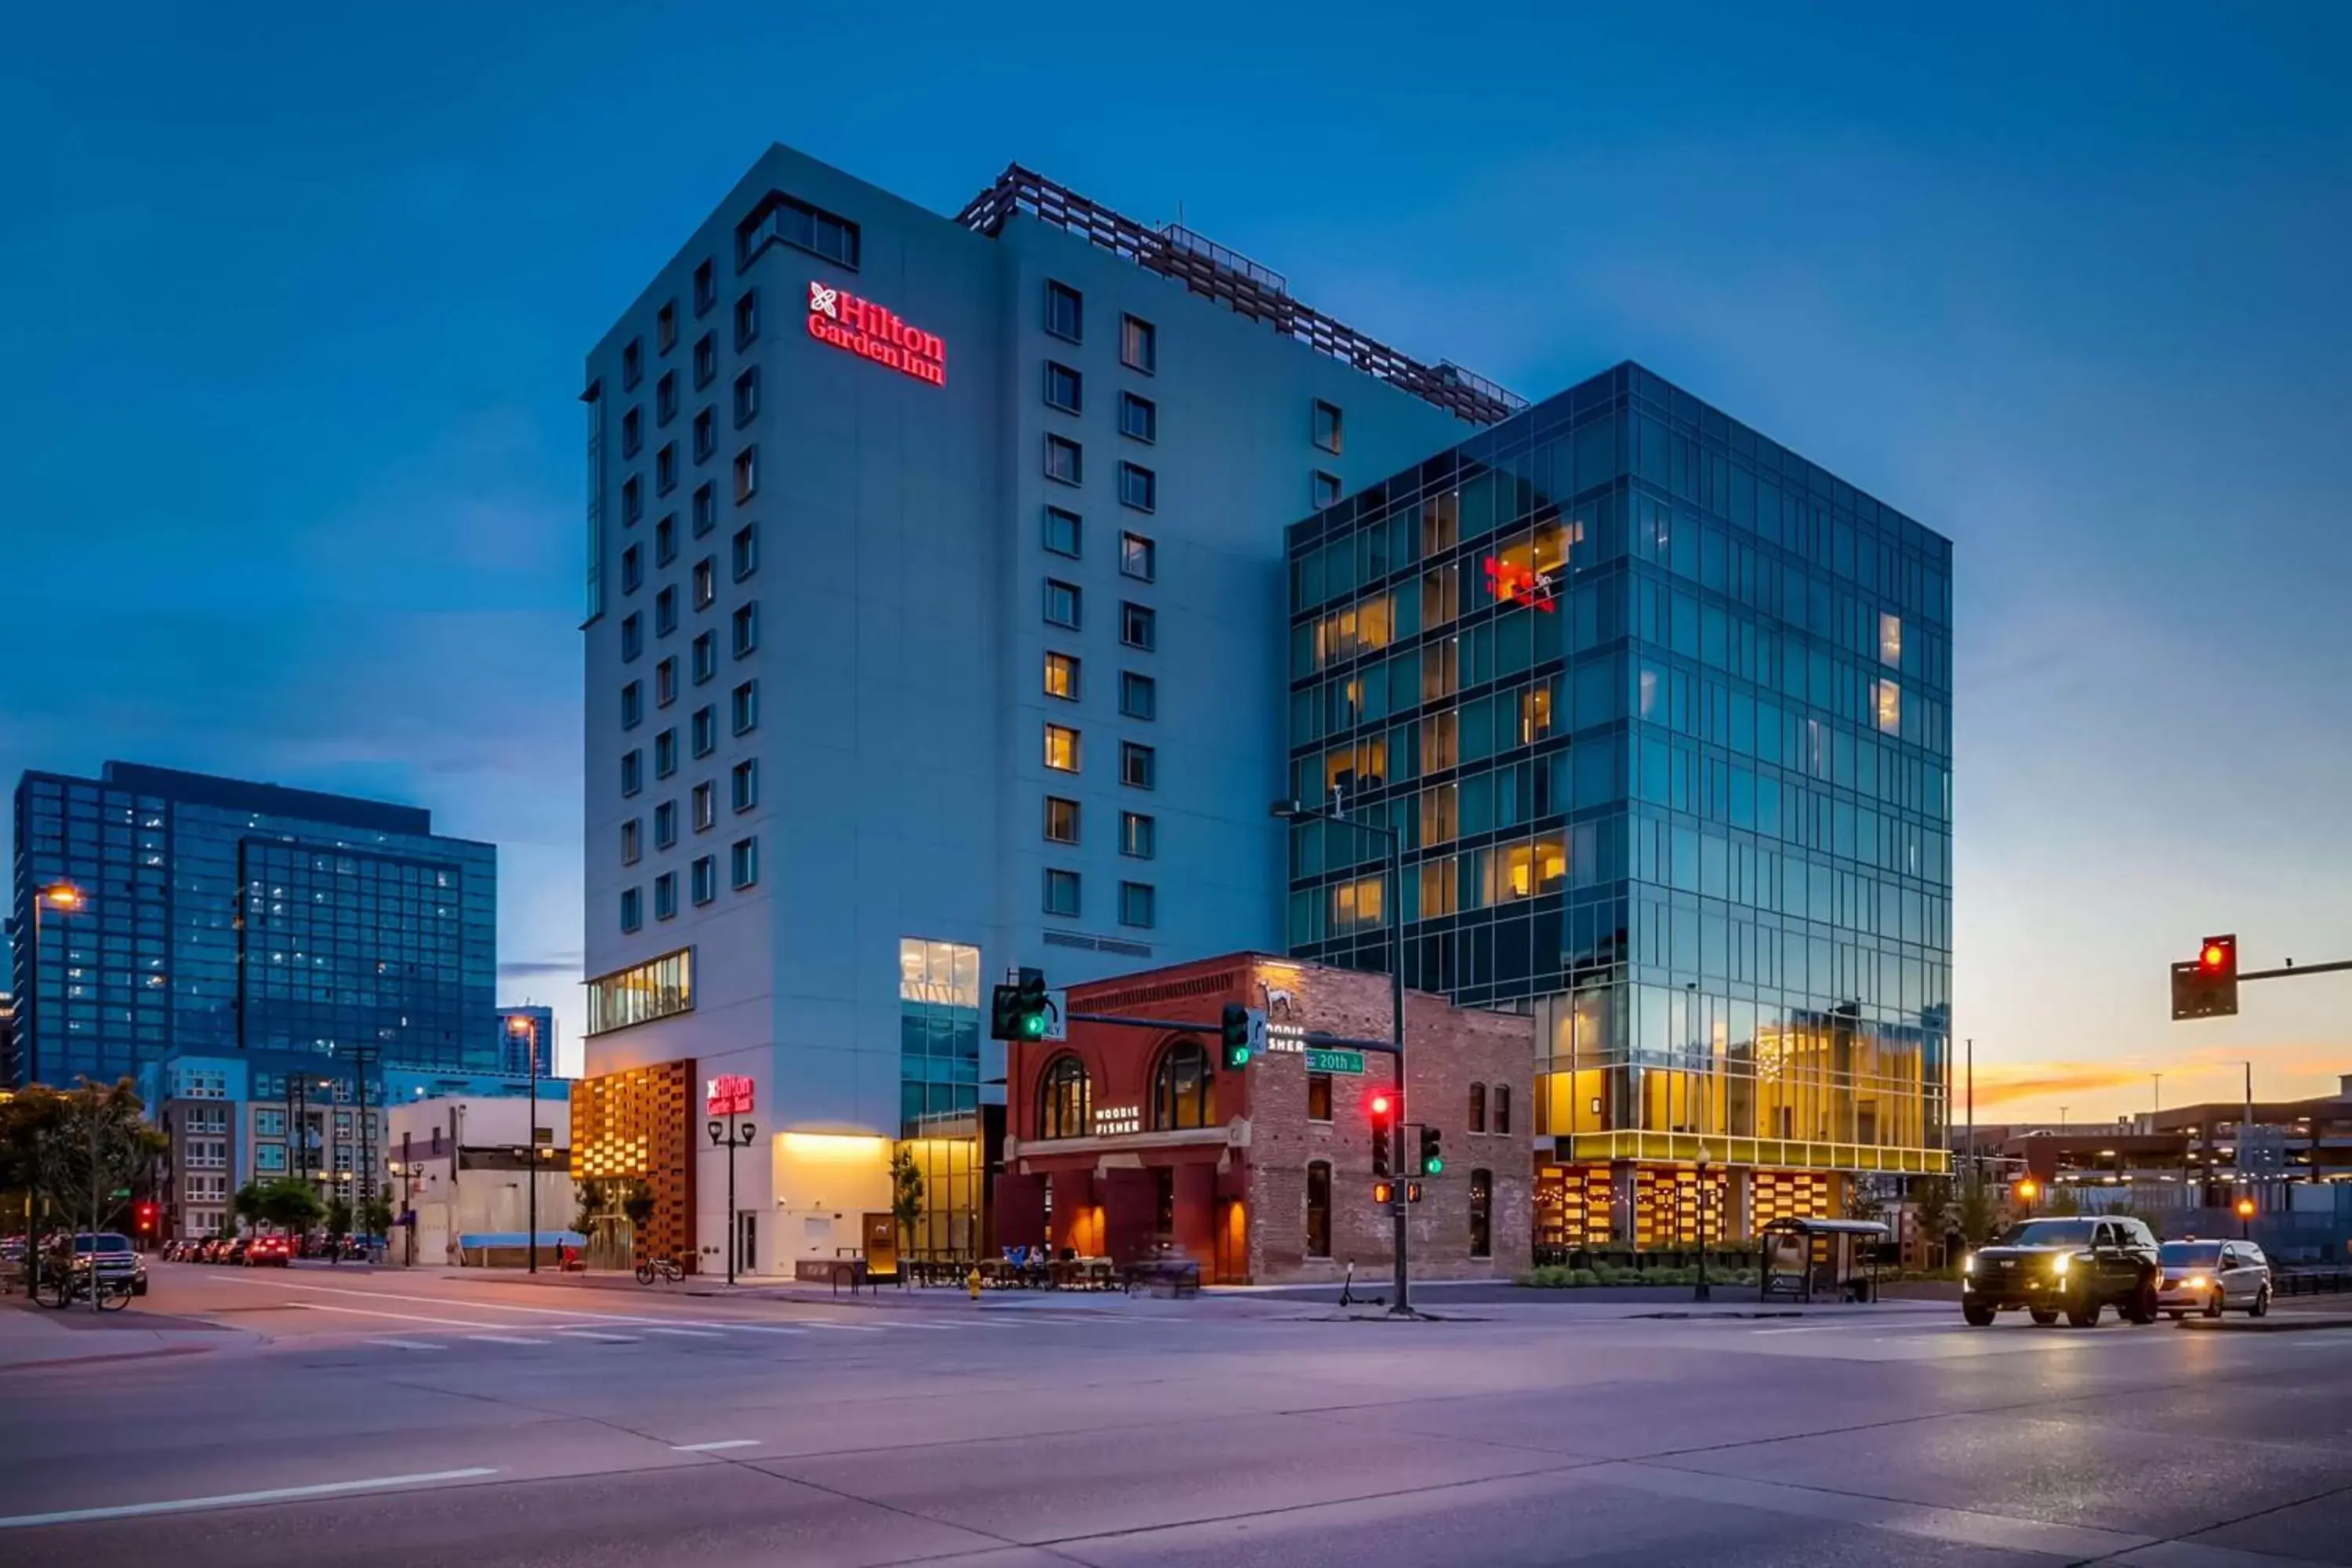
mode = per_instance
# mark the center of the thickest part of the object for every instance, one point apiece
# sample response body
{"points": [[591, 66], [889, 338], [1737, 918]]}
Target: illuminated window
{"points": [[660, 988], [1441, 595], [1138, 487], [1062, 531], [1064, 463], [1138, 418], [1138, 345], [1061, 604], [945, 973], [1535, 713], [1138, 835], [1359, 628], [1439, 817], [1139, 695], [1064, 388], [1438, 746], [1064, 312], [1137, 557], [1062, 677], [1318, 1097], [1890, 708], [1441, 524], [1890, 639], [1063, 1096], [1061, 748], [1061, 820], [1183, 1088], [1138, 766], [1354, 905], [1440, 889], [1323, 490], [1138, 904], [1061, 892]]}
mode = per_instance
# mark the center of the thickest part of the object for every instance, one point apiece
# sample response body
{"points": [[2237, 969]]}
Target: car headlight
{"points": [[1967, 1263], [2063, 1262], [2198, 1282]]}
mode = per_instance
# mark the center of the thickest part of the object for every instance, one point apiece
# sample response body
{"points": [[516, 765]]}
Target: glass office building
{"points": [[1662, 711], [213, 917]]}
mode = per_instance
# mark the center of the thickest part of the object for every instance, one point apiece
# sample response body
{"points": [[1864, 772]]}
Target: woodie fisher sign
{"points": [[861, 327]]}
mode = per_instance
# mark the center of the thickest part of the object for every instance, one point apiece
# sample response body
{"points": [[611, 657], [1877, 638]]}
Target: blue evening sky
{"points": [[294, 298]]}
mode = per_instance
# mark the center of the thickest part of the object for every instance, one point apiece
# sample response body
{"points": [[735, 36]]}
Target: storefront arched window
{"points": [[1063, 1100], [1183, 1088]]}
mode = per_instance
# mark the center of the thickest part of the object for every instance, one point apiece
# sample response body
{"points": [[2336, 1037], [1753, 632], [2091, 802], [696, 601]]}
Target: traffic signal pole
{"points": [[1403, 1306]]}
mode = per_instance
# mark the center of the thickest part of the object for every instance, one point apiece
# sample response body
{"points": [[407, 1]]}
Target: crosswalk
{"points": [[813, 1332]]}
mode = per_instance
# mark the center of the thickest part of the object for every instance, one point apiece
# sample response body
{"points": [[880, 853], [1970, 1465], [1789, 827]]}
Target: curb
{"points": [[118, 1355], [2286, 1324]]}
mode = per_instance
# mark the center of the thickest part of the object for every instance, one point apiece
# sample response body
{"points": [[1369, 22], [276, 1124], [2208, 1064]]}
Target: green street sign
{"points": [[1335, 1061], [122, 1191]]}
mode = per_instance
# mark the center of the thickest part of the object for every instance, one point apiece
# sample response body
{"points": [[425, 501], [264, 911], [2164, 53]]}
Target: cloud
{"points": [[2091, 1090], [540, 966]]}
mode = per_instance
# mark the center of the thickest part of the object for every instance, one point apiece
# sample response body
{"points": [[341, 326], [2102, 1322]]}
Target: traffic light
{"points": [[1383, 1193], [1413, 1192], [1236, 1029], [2206, 987], [1433, 1158], [146, 1217], [1017, 1011], [1381, 1109]]}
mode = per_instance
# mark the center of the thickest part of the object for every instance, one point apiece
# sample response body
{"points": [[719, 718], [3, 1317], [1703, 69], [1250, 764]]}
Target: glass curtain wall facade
{"points": [[1662, 711]]}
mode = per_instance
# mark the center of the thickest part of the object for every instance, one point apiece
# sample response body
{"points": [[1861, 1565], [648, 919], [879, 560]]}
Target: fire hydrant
{"points": [[972, 1281]]}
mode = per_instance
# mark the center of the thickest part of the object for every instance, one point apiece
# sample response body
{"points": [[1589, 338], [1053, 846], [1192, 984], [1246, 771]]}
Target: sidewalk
{"points": [[891, 1297], [33, 1338]]}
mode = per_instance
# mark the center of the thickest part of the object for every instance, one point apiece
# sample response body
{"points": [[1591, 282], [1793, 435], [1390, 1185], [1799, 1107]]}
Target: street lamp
{"points": [[1292, 811], [1702, 1293], [524, 1025], [732, 1133], [65, 898]]}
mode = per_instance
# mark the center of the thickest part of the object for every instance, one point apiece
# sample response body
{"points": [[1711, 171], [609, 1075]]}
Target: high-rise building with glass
{"points": [[162, 913], [1661, 711]]}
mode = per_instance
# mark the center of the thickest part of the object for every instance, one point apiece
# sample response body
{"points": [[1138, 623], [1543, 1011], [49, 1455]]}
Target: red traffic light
{"points": [[2214, 956], [1381, 1106], [146, 1213]]}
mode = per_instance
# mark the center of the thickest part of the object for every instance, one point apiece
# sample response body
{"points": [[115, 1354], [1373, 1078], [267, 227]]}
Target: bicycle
{"points": [[652, 1268], [59, 1291]]}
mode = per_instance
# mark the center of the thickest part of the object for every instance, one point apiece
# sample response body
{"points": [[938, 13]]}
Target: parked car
{"points": [[2213, 1277], [110, 1254], [277, 1251], [2078, 1266], [235, 1251]]}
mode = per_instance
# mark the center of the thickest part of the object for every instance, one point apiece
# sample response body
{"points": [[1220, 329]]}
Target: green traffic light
{"points": [[1033, 1026], [1432, 1167]]}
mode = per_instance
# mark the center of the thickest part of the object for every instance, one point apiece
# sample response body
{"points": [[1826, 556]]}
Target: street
{"points": [[357, 1417]]}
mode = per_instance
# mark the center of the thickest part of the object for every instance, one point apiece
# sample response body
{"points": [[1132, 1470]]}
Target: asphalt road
{"points": [[389, 1418]]}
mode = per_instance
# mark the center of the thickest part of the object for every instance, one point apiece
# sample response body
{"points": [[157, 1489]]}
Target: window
{"points": [[1138, 418], [1061, 748], [666, 682], [1183, 1088], [1477, 1108], [1061, 820], [1890, 639], [666, 398], [638, 994], [666, 896], [633, 364], [746, 707], [706, 582], [747, 629], [1502, 1109], [1138, 487], [633, 704], [747, 551], [666, 540], [704, 877], [665, 611], [1061, 603], [633, 569], [632, 500], [700, 809], [630, 849], [1139, 626], [1063, 1096], [665, 326], [1139, 695], [633, 432], [1064, 388], [632, 908], [705, 731], [1137, 557], [1327, 425], [747, 474], [705, 360], [1061, 892], [1063, 462], [744, 863], [1138, 765], [788, 219], [1138, 835], [1138, 345], [1062, 677], [1136, 904], [1325, 490], [1318, 1097], [1890, 708], [747, 318], [1482, 1214], [743, 784], [665, 469], [747, 396], [1064, 312], [706, 289], [666, 753], [705, 509], [1063, 530], [706, 656], [1319, 1205], [706, 435], [633, 771]]}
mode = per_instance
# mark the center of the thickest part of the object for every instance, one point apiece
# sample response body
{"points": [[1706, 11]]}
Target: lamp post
{"points": [[527, 1027], [1292, 811], [1702, 1293], [731, 1133], [65, 898]]}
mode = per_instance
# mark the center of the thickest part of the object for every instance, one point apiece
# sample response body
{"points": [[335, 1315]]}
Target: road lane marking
{"points": [[765, 1329], [406, 1344], [1817, 1329], [402, 1317], [600, 1338], [631, 1318], [505, 1339], [714, 1447], [845, 1328], [231, 1499], [687, 1333]]}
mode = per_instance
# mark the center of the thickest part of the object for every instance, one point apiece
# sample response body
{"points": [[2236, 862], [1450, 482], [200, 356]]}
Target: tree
{"points": [[1976, 1214], [246, 1204], [96, 1143], [27, 1120], [906, 1194], [290, 1203], [1932, 1197], [339, 1217], [638, 1204], [588, 1205]]}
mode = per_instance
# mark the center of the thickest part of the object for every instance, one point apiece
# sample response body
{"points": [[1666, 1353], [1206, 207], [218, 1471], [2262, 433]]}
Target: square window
{"points": [[1139, 695], [666, 896], [1061, 892], [747, 474], [666, 540], [1138, 487], [666, 398], [1061, 603], [665, 469], [1138, 766], [633, 636], [1061, 748], [1138, 835], [705, 878], [633, 704], [1061, 820], [665, 611], [747, 396], [706, 582], [699, 805], [1138, 418], [633, 771], [705, 360], [629, 847], [1064, 388], [665, 326], [744, 863], [747, 629], [633, 364], [1137, 558], [1318, 1097], [666, 682], [704, 728], [705, 509], [1136, 904], [1324, 490], [1139, 625], [747, 318], [1327, 425], [1062, 677], [1064, 463], [633, 569], [706, 658], [1065, 312], [705, 289], [1064, 531], [706, 435], [632, 908], [1138, 345], [666, 753], [746, 707], [744, 785], [747, 551]]}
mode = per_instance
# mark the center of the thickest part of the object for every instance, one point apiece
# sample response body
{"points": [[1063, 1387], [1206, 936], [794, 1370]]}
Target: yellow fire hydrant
{"points": [[972, 1281]]}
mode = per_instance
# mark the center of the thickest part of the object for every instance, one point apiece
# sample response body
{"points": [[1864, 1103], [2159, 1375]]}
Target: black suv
{"points": [[2074, 1266]]}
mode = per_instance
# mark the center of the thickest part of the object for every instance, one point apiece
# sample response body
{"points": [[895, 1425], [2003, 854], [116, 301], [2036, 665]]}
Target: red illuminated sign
{"points": [[861, 327], [1507, 581], [727, 1095]]}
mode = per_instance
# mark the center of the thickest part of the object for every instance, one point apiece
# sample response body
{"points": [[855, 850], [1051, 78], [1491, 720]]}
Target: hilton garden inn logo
{"points": [[861, 327]]}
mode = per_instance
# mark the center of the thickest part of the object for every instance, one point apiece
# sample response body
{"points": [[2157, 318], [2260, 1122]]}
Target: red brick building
{"points": [[1118, 1138]]}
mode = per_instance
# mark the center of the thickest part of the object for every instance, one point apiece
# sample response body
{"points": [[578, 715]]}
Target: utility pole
{"points": [[1972, 1113]]}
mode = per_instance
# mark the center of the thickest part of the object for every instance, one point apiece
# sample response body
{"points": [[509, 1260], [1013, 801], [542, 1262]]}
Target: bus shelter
{"points": [[1820, 1259]]}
